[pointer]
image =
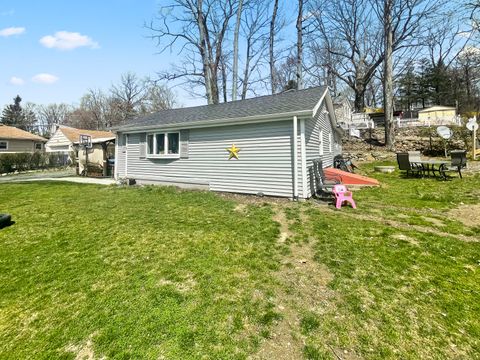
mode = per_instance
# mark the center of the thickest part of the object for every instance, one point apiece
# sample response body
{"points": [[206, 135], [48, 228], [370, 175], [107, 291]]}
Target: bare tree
{"points": [[236, 35], [52, 114], [299, 26], [199, 30], [402, 26], [273, 29], [348, 32], [255, 33]]}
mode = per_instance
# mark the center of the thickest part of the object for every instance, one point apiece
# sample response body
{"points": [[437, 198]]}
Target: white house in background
{"points": [[65, 140], [265, 145], [14, 140], [343, 110]]}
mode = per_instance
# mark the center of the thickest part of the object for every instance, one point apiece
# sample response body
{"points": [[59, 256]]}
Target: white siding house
{"points": [[278, 137]]}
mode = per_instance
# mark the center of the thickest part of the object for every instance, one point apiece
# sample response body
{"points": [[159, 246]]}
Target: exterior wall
{"points": [[437, 115], [95, 155], [19, 146], [264, 165], [58, 143], [312, 139]]}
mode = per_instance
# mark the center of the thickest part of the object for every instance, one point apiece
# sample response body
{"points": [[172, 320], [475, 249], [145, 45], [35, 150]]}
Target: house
{"points": [[263, 145], [14, 140], [438, 115], [66, 140], [343, 110]]}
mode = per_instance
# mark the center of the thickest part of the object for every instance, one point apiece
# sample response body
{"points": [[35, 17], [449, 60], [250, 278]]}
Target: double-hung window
{"points": [[163, 145], [3, 145]]}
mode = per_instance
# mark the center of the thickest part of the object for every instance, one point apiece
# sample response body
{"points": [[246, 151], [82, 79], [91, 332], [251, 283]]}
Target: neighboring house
{"points": [[65, 140], [263, 145], [343, 111], [14, 140], [438, 115]]}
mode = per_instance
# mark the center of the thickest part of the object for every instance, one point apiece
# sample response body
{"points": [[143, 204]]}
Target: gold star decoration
{"points": [[233, 150]]}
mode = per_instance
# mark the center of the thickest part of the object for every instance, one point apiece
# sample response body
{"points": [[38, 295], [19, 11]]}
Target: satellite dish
{"points": [[444, 132]]}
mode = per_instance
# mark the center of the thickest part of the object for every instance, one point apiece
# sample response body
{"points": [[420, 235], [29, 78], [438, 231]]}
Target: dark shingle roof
{"points": [[289, 101]]}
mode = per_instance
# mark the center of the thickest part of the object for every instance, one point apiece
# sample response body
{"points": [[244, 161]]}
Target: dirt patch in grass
{"points": [[303, 288], [84, 351], [469, 215], [405, 238], [434, 221]]}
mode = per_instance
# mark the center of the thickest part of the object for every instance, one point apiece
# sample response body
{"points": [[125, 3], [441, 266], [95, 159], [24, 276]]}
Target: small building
{"points": [[14, 140], [343, 111], [264, 145], [437, 115], [66, 140]]}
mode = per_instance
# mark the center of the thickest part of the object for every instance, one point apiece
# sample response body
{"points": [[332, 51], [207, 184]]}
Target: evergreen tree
{"points": [[13, 115]]}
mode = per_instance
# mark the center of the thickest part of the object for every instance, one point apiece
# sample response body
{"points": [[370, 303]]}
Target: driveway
{"points": [[62, 175]]}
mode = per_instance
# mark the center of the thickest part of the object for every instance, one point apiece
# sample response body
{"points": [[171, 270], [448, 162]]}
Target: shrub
{"points": [[11, 162]]}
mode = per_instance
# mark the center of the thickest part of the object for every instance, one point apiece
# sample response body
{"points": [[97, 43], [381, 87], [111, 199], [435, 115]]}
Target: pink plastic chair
{"points": [[343, 195]]}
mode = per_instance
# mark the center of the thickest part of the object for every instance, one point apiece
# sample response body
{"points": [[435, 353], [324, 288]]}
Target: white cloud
{"points": [[65, 40], [16, 81], [45, 78], [12, 31]]}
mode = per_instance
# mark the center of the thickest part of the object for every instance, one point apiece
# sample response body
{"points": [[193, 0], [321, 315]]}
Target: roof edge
{"points": [[216, 122]]}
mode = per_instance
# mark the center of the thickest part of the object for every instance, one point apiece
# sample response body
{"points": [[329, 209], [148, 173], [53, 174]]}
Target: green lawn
{"points": [[157, 273]]}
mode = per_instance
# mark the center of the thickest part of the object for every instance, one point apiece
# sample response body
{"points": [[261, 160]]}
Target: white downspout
{"points": [[303, 154], [115, 174], [295, 159]]}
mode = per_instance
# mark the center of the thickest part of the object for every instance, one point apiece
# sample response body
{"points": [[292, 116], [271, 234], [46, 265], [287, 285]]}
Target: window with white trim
{"points": [[38, 146], [163, 144], [320, 142], [3, 145]]}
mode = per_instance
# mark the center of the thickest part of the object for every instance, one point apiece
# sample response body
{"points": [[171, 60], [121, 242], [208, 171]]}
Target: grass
{"points": [[138, 273], [160, 273]]}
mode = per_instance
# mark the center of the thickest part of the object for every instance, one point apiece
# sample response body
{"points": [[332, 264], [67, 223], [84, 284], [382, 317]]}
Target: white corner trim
{"points": [[303, 153], [319, 103], [295, 159]]}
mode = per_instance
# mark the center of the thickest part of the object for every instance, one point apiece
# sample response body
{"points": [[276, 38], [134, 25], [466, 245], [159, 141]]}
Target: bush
{"points": [[31, 161]]}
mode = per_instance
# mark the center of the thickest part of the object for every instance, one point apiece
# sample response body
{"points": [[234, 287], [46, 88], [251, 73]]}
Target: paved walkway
{"points": [[56, 176]]}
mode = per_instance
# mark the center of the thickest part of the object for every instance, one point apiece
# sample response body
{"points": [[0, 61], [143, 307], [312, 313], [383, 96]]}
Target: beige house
{"points": [[14, 140], [437, 115], [66, 140]]}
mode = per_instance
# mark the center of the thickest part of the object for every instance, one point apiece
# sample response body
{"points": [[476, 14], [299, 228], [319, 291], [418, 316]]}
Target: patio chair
{"points": [[343, 195], [322, 185], [458, 162], [404, 164]]}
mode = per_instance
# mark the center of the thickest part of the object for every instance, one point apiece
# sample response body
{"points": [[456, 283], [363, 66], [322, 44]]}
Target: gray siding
{"points": [[18, 146], [312, 139], [265, 163], [120, 156]]}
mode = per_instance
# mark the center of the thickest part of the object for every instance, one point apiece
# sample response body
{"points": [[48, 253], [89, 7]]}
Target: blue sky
{"points": [[54, 50]]}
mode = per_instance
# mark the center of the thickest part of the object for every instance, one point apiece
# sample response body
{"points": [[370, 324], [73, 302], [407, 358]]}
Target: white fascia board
{"points": [[216, 123]]}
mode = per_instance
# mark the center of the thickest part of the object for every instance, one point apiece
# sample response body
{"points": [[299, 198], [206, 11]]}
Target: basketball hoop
{"points": [[85, 140]]}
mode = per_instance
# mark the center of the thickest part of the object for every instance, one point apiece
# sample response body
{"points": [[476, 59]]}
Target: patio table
{"points": [[429, 165]]}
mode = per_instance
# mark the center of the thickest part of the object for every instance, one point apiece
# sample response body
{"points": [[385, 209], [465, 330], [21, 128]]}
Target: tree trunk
{"points": [[359, 96], [272, 41], [300, 45], [388, 78], [246, 73], [204, 53], [235, 51]]}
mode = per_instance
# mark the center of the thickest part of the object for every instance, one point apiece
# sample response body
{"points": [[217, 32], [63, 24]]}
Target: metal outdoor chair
{"points": [[404, 164], [458, 162], [343, 163], [322, 185]]}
